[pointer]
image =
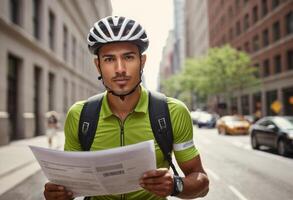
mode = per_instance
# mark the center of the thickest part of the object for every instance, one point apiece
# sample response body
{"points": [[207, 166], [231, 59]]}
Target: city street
{"points": [[235, 171]]}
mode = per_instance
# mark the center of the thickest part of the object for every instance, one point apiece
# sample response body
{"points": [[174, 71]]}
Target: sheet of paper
{"points": [[113, 171]]}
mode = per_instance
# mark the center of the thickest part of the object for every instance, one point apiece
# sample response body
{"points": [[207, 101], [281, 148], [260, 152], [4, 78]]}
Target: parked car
{"points": [[206, 119], [275, 132], [195, 115], [250, 118], [232, 124]]}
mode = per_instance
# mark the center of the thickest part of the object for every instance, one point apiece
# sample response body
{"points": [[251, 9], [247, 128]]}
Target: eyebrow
{"points": [[125, 54]]}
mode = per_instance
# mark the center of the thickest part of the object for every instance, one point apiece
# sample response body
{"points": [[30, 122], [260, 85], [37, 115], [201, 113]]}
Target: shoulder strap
{"points": [[161, 125], [88, 121]]}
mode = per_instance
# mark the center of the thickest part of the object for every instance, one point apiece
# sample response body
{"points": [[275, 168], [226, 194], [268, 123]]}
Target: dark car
{"points": [[275, 132]]}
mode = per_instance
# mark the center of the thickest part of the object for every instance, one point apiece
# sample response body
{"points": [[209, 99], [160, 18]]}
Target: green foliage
{"points": [[223, 70]]}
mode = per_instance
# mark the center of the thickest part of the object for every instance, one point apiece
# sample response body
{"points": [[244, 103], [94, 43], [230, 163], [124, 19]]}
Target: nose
{"points": [[120, 66]]}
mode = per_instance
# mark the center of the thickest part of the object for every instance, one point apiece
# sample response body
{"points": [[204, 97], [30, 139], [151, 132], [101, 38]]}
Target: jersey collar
{"points": [[141, 106]]}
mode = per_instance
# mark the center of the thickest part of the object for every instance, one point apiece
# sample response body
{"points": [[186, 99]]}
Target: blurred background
{"points": [[229, 61]]}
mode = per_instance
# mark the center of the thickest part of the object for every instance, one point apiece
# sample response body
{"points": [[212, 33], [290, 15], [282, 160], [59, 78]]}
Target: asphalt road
{"points": [[235, 171]]}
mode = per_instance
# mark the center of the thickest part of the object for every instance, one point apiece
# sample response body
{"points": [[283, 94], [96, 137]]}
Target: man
{"points": [[119, 44]]}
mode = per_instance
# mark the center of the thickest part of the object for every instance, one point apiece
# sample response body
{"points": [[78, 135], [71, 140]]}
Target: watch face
{"points": [[179, 184]]}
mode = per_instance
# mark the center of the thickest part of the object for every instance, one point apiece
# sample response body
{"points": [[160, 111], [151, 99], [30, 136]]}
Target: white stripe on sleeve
{"points": [[183, 146]]}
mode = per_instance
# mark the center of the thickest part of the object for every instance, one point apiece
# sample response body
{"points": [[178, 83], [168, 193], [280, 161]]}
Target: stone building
{"points": [[45, 64]]}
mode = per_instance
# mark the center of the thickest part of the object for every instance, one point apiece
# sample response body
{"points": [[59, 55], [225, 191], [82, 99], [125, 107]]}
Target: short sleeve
{"points": [[183, 144]]}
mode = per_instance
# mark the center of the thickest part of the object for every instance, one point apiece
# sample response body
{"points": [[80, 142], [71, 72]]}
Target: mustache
{"points": [[121, 77]]}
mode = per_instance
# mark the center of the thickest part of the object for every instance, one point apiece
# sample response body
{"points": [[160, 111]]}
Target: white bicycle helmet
{"points": [[116, 29]]}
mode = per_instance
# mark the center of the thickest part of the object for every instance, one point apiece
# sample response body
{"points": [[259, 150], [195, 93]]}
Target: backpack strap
{"points": [[88, 121], [161, 125]]}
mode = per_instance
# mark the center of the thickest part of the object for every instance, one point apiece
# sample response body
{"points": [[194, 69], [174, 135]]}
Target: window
{"points": [[51, 30], [15, 11], [36, 18], [238, 28], [255, 14], [245, 2], [265, 37], [246, 22], [231, 33], [289, 23], [278, 65], [290, 59], [51, 91], [230, 11], [65, 42], [65, 96], [73, 51], [276, 31], [264, 4], [246, 46], [271, 96], [237, 4], [255, 43], [275, 3], [266, 68]]}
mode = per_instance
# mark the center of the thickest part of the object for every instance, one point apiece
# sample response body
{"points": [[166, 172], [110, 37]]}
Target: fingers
{"points": [[159, 182], [56, 192]]}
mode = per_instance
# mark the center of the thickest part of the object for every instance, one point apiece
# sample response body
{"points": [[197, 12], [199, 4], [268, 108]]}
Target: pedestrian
{"points": [[52, 126], [119, 44]]}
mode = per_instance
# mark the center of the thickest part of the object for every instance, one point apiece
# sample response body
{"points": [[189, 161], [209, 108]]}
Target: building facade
{"points": [[45, 64], [196, 28], [263, 29]]}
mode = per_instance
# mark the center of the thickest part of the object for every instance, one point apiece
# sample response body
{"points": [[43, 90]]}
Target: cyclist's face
{"points": [[120, 66]]}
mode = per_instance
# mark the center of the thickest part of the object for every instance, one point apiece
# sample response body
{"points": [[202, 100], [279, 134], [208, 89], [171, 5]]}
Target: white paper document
{"points": [[113, 171]]}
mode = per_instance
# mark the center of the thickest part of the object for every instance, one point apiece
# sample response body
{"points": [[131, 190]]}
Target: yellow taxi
{"points": [[232, 125]]}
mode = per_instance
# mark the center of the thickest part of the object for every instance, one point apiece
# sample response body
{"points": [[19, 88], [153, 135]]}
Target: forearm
{"points": [[195, 185]]}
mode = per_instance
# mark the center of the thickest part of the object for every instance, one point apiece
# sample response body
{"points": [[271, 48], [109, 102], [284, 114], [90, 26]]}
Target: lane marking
{"points": [[213, 174], [237, 193]]}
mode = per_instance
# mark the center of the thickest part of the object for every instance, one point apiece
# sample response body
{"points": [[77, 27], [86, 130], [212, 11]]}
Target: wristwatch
{"points": [[178, 185]]}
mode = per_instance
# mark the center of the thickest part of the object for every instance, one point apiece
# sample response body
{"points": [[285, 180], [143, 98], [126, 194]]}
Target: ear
{"points": [[143, 60], [96, 61]]}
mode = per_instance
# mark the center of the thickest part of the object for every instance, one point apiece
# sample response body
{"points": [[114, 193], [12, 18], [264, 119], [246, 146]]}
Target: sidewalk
{"points": [[18, 162]]}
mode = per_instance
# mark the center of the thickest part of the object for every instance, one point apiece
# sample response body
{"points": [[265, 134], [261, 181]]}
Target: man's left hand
{"points": [[159, 182]]}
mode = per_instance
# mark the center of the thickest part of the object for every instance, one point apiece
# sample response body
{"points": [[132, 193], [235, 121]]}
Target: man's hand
{"points": [[159, 182], [53, 191]]}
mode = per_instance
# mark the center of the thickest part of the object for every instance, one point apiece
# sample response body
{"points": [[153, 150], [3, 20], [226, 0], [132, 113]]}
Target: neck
{"points": [[122, 108]]}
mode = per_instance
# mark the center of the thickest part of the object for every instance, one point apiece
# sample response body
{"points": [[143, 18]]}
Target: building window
{"points": [[276, 31], [246, 46], [289, 23], [255, 43], [278, 65], [271, 97], [15, 11], [51, 91], [255, 14], [246, 22], [290, 59], [265, 37], [275, 3], [237, 4], [73, 51], [36, 18], [231, 33], [238, 28], [245, 2], [65, 42], [264, 5], [266, 68], [65, 96], [230, 11], [51, 30]]}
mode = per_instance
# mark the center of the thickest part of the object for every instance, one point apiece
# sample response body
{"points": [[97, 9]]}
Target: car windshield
{"points": [[284, 123], [233, 119]]}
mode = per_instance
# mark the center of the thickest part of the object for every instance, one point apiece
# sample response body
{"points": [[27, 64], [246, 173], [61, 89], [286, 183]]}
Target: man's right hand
{"points": [[53, 191]]}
